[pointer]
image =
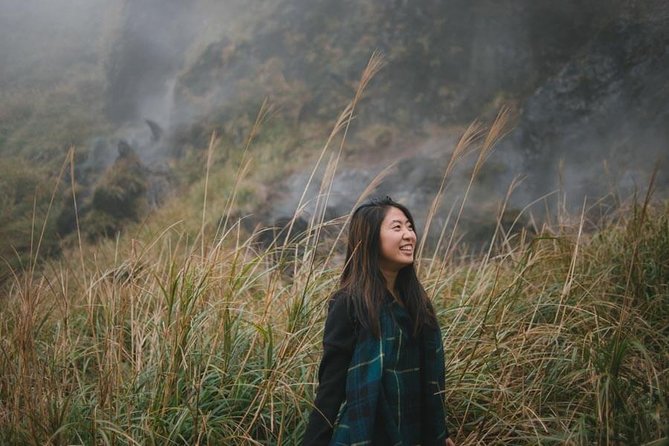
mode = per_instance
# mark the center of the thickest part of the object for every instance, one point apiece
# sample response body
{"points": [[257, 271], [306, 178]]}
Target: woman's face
{"points": [[397, 240]]}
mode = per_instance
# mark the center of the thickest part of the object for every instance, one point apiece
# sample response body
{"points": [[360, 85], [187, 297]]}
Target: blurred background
{"points": [[136, 90]]}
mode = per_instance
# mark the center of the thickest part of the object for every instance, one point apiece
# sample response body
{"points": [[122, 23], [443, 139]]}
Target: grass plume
{"points": [[170, 339]]}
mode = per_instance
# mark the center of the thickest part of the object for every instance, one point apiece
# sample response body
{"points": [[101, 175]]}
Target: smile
{"points": [[407, 249]]}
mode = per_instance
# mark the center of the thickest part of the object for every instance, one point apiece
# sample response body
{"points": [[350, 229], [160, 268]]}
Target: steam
{"points": [[579, 104]]}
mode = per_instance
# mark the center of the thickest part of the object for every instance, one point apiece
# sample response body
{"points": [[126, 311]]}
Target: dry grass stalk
{"points": [[462, 148], [157, 345]]}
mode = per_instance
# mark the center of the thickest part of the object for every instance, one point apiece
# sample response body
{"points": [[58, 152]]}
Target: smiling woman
{"points": [[381, 378], [398, 240]]}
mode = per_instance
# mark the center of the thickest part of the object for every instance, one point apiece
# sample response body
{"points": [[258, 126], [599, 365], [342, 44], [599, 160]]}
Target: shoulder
{"points": [[341, 310], [340, 303], [340, 329]]}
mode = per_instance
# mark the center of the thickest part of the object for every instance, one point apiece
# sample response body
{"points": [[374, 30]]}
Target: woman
{"points": [[382, 373]]}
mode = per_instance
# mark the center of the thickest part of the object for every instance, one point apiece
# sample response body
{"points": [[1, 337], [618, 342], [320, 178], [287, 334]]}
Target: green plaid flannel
{"points": [[401, 379]]}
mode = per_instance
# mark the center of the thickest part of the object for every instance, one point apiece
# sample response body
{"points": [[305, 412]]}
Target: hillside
{"points": [[587, 85], [175, 179], [170, 335]]}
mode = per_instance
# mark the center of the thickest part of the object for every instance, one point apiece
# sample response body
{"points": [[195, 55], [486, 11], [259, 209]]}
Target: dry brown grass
{"points": [[170, 338]]}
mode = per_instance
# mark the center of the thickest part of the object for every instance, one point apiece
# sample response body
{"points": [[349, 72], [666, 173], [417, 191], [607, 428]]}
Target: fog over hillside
{"points": [[176, 179], [588, 83], [40, 40]]}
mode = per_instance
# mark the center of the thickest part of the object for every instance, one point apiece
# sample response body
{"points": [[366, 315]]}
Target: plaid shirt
{"points": [[384, 377]]}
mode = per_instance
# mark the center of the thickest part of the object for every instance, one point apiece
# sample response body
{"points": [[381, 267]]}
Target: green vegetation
{"points": [[561, 339], [27, 194], [184, 330]]}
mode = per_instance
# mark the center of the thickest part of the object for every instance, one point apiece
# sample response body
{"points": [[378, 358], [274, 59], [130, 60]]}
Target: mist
{"points": [[588, 84]]}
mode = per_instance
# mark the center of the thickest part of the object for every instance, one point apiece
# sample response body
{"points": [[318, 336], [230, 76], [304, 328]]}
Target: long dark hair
{"points": [[362, 279]]}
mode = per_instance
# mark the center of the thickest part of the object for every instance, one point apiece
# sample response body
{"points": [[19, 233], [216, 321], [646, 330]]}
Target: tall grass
{"points": [[560, 337]]}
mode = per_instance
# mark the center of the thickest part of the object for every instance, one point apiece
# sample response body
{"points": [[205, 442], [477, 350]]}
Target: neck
{"points": [[390, 276]]}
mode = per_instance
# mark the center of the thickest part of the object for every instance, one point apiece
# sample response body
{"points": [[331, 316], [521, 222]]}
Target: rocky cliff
{"points": [[589, 84]]}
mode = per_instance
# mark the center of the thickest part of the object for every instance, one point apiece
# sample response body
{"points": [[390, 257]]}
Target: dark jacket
{"points": [[346, 345]]}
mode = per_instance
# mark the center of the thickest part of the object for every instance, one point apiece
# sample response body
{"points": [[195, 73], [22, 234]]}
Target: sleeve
{"points": [[338, 343]]}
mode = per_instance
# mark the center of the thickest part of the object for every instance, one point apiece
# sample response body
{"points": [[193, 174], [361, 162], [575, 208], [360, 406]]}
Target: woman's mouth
{"points": [[407, 249]]}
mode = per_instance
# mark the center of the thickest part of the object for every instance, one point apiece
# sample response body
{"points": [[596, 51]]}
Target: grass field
{"points": [[560, 338], [187, 330]]}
